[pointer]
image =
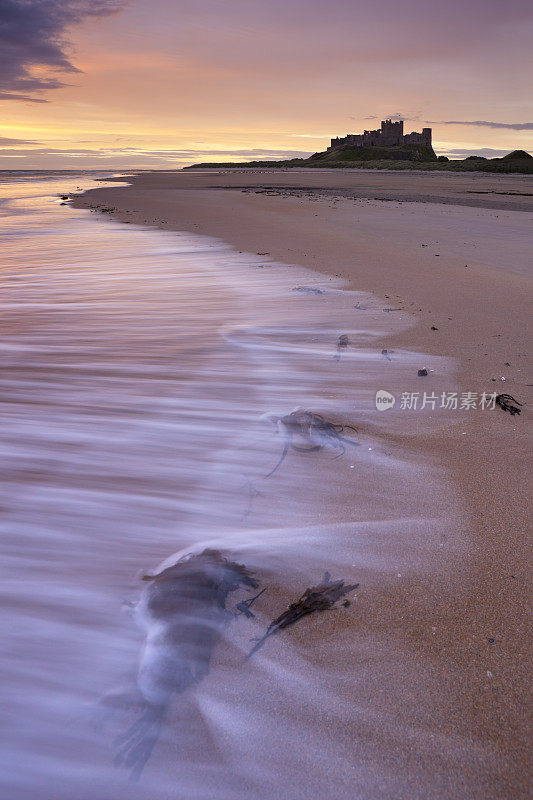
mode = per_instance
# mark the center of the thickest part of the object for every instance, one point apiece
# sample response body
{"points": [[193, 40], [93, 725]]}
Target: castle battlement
{"points": [[389, 135]]}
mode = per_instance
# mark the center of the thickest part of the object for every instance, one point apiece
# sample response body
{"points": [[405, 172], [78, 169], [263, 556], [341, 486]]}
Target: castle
{"points": [[389, 135]]}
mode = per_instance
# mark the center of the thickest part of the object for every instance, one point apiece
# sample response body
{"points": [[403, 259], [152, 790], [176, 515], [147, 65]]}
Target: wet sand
{"points": [[138, 366], [454, 252]]}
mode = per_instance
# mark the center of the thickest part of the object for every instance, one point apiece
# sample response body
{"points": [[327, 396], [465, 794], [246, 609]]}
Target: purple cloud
{"points": [[515, 126], [33, 33], [6, 142], [76, 157]]}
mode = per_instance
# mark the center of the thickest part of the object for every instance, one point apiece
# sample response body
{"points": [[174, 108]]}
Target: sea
{"points": [[147, 383]]}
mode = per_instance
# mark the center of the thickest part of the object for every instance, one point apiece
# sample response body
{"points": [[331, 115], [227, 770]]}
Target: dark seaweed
{"points": [[506, 401], [342, 344], [316, 598], [313, 431], [185, 605], [244, 606]]}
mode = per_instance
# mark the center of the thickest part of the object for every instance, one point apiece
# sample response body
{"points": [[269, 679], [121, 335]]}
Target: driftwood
{"points": [[312, 432], [506, 401], [183, 610], [316, 598]]}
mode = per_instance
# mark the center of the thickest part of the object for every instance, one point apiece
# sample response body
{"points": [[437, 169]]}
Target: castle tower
{"points": [[426, 136], [392, 132]]}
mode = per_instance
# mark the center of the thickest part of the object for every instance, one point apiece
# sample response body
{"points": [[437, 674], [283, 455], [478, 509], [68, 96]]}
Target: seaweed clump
{"points": [[315, 598], [312, 432], [183, 610], [342, 344], [506, 401]]}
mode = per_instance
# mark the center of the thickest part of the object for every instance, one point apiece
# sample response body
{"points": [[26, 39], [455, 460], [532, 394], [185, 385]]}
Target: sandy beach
{"points": [[453, 252], [266, 390]]}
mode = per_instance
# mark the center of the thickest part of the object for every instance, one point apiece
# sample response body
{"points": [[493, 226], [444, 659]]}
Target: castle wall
{"points": [[389, 135]]}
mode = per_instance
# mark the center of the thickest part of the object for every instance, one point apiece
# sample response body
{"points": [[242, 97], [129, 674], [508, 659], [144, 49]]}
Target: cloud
{"points": [[515, 126], [394, 117], [25, 97], [256, 153], [311, 135], [130, 157], [34, 43], [6, 142]]}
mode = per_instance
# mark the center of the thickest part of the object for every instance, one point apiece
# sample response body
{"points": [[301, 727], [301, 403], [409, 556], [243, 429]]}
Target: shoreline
{"points": [[375, 245], [509, 191]]}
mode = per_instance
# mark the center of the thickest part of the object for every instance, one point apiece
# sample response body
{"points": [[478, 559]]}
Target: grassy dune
{"points": [[416, 157]]}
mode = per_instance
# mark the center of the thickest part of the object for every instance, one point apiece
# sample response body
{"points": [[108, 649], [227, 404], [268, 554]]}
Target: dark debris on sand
{"points": [[185, 605], [312, 432], [342, 344], [505, 401], [244, 606], [184, 611], [315, 598]]}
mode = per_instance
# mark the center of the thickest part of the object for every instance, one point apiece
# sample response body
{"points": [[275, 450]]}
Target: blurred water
{"points": [[137, 366]]}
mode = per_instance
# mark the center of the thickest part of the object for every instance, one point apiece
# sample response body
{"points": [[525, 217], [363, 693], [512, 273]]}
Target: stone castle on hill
{"points": [[389, 135]]}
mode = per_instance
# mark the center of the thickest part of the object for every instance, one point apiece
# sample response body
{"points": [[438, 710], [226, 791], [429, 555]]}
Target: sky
{"points": [[165, 83]]}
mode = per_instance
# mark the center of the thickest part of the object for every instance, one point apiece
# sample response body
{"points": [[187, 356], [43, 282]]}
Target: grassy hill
{"points": [[408, 152], [516, 155], [407, 157]]}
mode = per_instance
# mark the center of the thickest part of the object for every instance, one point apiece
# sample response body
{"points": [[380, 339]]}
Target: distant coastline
{"points": [[518, 161]]}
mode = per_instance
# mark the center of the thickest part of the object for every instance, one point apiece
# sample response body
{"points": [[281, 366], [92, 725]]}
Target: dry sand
{"points": [[455, 251]]}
